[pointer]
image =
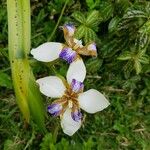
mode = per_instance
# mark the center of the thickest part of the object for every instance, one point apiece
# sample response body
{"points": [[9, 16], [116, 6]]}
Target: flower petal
{"points": [[76, 115], [77, 86], [92, 101], [51, 86], [92, 47], [68, 54], [69, 29], [55, 109], [76, 71], [88, 50], [68, 125], [47, 52]]}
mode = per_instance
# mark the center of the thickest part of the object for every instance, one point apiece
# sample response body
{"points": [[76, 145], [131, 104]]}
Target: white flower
{"points": [[69, 51], [71, 98]]}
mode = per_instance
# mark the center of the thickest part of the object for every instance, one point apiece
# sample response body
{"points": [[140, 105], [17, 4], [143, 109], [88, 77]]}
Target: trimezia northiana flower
{"points": [[69, 51], [70, 99]]}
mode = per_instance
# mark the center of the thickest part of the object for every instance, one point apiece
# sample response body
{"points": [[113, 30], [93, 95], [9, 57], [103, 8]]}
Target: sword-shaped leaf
{"points": [[27, 94]]}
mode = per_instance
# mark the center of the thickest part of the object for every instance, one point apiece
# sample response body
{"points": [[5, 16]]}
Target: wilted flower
{"points": [[69, 51], [71, 99]]}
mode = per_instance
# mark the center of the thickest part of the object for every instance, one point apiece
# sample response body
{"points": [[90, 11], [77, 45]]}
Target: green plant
{"points": [[28, 97]]}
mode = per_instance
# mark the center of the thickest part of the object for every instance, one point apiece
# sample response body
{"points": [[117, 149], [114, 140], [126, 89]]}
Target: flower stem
{"points": [[55, 133], [59, 19]]}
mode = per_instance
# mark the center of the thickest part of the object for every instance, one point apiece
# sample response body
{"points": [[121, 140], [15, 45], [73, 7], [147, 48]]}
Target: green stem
{"points": [[59, 19], [55, 133]]}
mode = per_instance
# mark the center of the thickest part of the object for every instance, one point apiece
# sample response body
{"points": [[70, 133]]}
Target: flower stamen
{"points": [[68, 100]]}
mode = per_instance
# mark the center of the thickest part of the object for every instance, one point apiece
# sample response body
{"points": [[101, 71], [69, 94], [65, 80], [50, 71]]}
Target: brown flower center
{"points": [[71, 98]]}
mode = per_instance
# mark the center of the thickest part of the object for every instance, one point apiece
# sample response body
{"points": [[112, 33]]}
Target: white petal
{"points": [[47, 52], [92, 101], [68, 125], [51, 86], [76, 71]]}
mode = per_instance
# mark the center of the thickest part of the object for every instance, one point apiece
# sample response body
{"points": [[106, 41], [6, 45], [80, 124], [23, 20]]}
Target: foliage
{"points": [[121, 71], [88, 25], [26, 91]]}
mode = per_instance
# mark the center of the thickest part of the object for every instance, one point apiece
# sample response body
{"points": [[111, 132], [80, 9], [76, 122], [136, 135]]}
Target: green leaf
{"points": [[80, 31], [133, 13], [122, 6], [92, 3], [63, 144], [89, 144], [5, 80], [113, 24], [11, 145], [87, 29], [90, 35], [138, 67], [119, 127], [125, 56], [27, 93], [142, 40], [132, 82], [47, 142], [79, 16], [93, 19], [128, 68], [145, 28], [93, 65], [35, 104], [106, 10], [144, 59]]}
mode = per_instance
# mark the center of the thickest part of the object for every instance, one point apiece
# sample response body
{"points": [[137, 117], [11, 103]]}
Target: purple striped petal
{"points": [[76, 115], [68, 54], [70, 28], [54, 109], [76, 86], [92, 47]]}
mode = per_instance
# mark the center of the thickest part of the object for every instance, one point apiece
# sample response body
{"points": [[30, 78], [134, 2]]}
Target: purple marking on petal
{"points": [[92, 47], [68, 54], [54, 109], [70, 28], [76, 86], [76, 115]]}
